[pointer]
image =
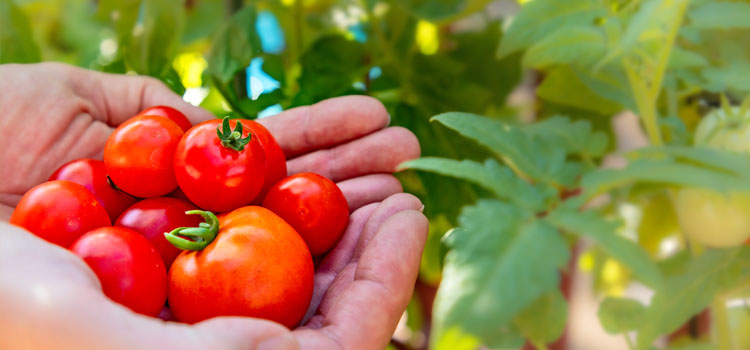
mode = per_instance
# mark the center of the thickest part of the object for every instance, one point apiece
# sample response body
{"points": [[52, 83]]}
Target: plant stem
{"points": [[720, 328]]}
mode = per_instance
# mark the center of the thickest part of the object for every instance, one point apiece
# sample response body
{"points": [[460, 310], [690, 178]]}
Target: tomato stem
{"points": [[232, 139], [199, 237]]}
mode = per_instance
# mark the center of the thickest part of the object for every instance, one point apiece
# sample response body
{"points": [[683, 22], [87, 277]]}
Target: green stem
{"points": [[720, 328], [199, 237], [232, 139]]}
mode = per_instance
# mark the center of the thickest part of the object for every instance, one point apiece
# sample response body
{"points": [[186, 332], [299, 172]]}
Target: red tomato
{"points": [[220, 172], [314, 206], [169, 112], [139, 156], [59, 211], [91, 174], [155, 216], [257, 266], [127, 265], [275, 159]]}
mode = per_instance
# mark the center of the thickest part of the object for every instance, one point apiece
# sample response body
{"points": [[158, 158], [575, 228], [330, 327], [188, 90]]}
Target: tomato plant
{"points": [[256, 266], [314, 206], [129, 268], [168, 112], [59, 211], [153, 217], [139, 156], [220, 172], [91, 174]]}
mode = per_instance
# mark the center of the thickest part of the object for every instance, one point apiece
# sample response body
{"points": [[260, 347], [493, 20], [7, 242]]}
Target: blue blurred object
{"points": [[270, 32], [271, 110], [259, 82], [358, 31], [375, 72]]}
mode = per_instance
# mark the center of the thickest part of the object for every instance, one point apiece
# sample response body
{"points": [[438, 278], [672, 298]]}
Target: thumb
{"points": [[246, 333]]}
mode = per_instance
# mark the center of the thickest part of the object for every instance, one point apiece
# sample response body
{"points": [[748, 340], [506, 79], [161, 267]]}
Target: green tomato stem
{"points": [[232, 139], [200, 236]]}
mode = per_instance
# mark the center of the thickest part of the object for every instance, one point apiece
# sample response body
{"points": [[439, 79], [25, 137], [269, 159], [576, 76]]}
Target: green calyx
{"points": [[195, 238], [232, 139]]}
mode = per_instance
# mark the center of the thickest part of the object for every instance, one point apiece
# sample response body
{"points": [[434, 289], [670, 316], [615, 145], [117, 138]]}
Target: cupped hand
{"points": [[55, 113]]}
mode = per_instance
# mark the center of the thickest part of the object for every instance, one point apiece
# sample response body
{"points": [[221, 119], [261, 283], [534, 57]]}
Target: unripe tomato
{"points": [[139, 156], [127, 265], [275, 158], [314, 206], [712, 218], [153, 217], [168, 112], [59, 211], [257, 266], [220, 172], [91, 174]]}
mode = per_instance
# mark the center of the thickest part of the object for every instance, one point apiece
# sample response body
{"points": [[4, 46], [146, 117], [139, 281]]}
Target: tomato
{"points": [[155, 216], [275, 159], [314, 206], [127, 265], [171, 113], [91, 174], [722, 131], [257, 266], [139, 156], [59, 211], [220, 172]]}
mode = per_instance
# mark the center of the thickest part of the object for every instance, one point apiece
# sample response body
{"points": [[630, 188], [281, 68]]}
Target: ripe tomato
{"points": [[257, 266], [169, 112], [220, 172], [139, 156], [275, 159], [90, 173], [155, 216], [712, 218], [127, 265], [59, 211], [314, 206]]}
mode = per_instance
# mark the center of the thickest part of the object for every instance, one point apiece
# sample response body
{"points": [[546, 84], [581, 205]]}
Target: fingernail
{"points": [[389, 119], [282, 342], [421, 210]]}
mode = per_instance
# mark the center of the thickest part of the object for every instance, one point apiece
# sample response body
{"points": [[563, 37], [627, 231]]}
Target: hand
{"points": [[49, 297]]}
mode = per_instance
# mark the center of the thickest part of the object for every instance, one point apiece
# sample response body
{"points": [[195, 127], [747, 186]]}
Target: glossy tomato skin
{"points": [[314, 206], [91, 174], [215, 177], [127, 265], [59, 211], [168, 112], [139, 156], [275, 158], [153, 217], [257, 266]]}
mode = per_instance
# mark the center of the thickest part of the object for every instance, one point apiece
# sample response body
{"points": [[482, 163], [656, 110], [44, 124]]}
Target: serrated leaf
{"points": [[732, 77], [488, 278], [687, 294], [235, 45], [16, 38], [563, 86], [720, 15], [540, 18], [544, 321], [724, 161], [580, 45], [495, 177], [575, 137], [682, 59], [604, 233], [620, 315]]}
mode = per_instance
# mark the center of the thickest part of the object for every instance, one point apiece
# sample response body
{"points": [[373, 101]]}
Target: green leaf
{"points": [[16, 39], [575, 137], [490, 175], [732, 77], [544, 321], [235, 45], [442, 10], [620, 315], [562, 85], [687, 294], [154, 40], [604, 233], [123, 14], [580, 45], [682, 59], [540, 18], [720, 15], [488, 277]]}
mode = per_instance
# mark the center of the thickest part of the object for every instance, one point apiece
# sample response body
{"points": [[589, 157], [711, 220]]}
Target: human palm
{"points": [[55, 113]]}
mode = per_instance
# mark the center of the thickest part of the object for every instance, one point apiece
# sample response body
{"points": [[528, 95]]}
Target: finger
{"points": [[326, 123], [384, 277], [367, 189], [380, 152], [389, 207]]}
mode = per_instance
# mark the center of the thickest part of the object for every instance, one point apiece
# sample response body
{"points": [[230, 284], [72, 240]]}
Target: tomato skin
{"points": [[139, 156], [59, 211], [127, 265], [275, 158], [153, 217], [214, 177], [314, 206], [91, 174], [713, 218], [257, 266], [168, 112]]}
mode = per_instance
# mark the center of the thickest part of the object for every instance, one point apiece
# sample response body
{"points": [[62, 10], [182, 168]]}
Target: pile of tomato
{"points": [[192, 222]]}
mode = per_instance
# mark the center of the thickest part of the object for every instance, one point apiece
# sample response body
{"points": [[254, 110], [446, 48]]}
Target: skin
{"points": [[54, 293]]}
